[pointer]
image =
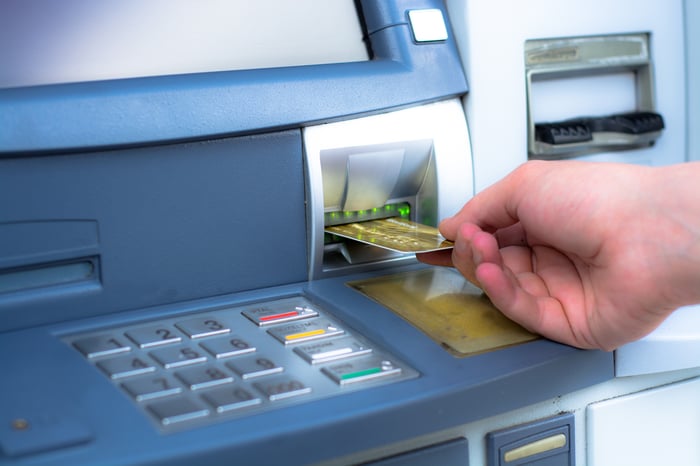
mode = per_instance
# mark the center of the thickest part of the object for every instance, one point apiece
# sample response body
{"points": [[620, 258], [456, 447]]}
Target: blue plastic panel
{"points": [[449, 392], [452, 453], [165, 224], [175, 108]]}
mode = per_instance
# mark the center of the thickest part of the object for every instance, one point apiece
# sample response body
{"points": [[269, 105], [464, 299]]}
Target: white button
{"points": [[331, 350], [228, 347], [282, 387], [125, 366], [143, 389], [254, 366], [427, 25], [173, 357], [231, 398], [203, 377], [148, 337], [101, 345], [177, 410], [201, 327]]}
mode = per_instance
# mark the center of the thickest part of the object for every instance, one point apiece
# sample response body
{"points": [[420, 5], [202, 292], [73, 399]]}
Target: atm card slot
{"points": [[400, 209]]}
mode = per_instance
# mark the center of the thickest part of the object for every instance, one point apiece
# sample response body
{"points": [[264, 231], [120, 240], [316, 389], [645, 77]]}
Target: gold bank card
{"points": [[395, 234]]}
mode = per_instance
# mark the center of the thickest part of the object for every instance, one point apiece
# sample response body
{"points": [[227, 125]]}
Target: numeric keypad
{"points": [[231, 362]]}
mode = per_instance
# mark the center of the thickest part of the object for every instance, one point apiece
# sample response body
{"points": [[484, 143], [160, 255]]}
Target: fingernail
{"points": [[476, 257]]}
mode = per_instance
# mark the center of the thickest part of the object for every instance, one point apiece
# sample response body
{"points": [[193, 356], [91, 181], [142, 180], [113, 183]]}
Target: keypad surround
{"points": [[212, 365]]}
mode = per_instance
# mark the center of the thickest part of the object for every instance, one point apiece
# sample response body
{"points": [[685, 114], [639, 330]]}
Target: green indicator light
{"points": [[362, 212], [334, 214], [375, 210], [352, 375], [404, 211], [347, 213], [388, 207]]}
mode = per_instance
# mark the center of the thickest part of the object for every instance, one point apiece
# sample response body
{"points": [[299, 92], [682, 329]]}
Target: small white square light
{"points": [[427, 25]]}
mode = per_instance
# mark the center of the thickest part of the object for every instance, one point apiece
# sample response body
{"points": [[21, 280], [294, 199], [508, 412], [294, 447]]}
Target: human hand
{"points": [[594, 255]]}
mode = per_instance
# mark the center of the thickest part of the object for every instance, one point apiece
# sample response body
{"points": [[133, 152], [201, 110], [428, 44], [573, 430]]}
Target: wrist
{"points": [[677, 204]]}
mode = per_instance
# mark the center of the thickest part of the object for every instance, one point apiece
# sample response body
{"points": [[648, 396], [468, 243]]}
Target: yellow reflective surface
{"points": [[446, 307], [535, 448]]}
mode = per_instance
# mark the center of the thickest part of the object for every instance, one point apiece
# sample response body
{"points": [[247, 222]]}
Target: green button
{"points": [[363, 373]]}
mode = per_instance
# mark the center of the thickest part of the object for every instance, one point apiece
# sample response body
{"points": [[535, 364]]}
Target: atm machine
{"points": [[170, 294]]}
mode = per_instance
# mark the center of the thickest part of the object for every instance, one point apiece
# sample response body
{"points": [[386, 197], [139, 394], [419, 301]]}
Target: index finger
{"points": [[495, 207]]}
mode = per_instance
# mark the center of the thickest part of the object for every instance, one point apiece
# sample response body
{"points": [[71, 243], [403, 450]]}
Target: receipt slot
{"points": [[620, 113]]}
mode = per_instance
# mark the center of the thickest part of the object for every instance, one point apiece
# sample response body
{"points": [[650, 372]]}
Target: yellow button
{"points": [[310, 333]]}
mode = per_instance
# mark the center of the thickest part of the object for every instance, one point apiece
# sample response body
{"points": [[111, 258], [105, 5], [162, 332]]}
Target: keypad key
{"points": [[202, 327], [101, 345], [148, 388], [177, 410], [231, 398], [180, 356], [157, 335], [265, 316], [361, 370], [331, 350], [250, 367], [305, 331], [125, 366], [280, 388], [203, 377], [227, 347]]}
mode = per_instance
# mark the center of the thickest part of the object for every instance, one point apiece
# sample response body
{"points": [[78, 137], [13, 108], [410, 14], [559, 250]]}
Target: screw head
{"points": [[20, 424]]}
